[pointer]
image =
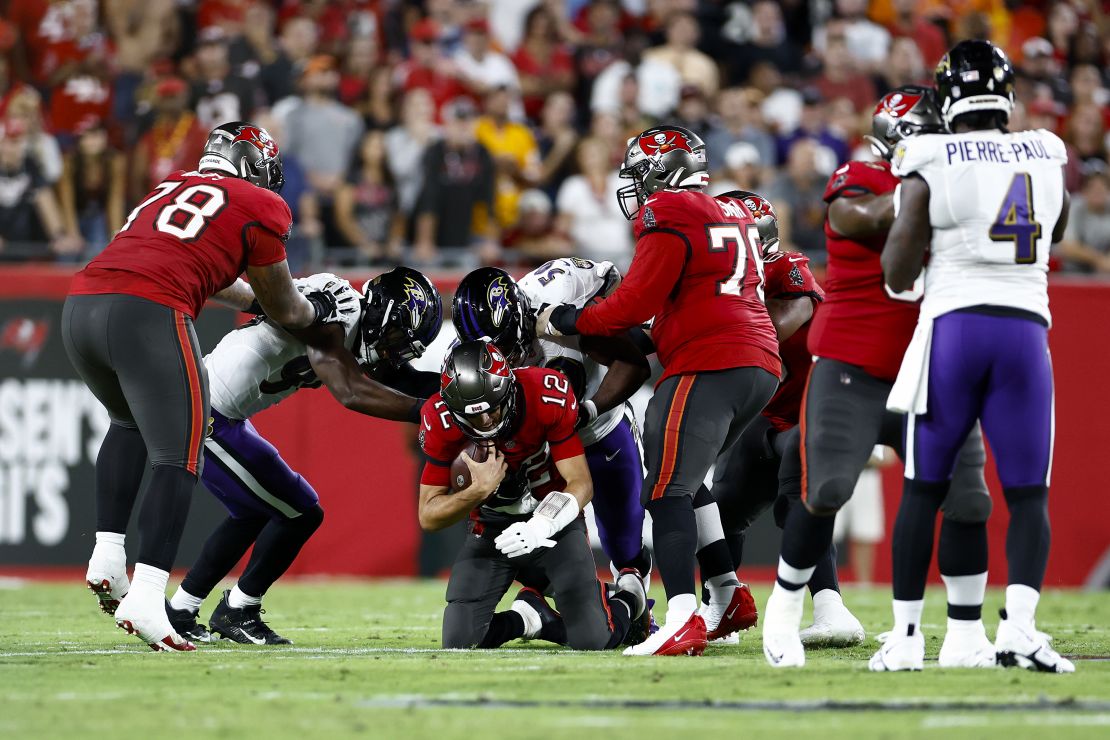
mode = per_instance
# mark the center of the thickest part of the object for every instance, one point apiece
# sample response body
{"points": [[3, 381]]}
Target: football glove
{"points": [[521, 538], [335, 302], [557, 320], [587, 414]]}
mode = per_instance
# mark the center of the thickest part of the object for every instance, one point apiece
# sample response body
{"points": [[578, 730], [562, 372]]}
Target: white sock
{"points": [[528, 615], [681, 607], [907, 614], [1021, 603], [794, 576], [721, 595], [723, 581], [784, 609], [149, 581], [109, 549], [182, 599], [966, 590], [237, 599]]}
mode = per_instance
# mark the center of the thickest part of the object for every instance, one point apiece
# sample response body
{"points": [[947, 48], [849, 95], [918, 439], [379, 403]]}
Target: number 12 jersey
{"points": [[995, 198], [189, 239]]}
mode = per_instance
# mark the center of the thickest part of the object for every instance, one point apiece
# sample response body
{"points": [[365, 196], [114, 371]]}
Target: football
{"points": [[460, 472]]}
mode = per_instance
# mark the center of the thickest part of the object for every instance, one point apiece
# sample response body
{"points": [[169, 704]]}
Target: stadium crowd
{"points": [[459, 132]]}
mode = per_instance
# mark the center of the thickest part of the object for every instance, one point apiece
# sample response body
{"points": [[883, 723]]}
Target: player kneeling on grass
{"points": [[524, 497], [364, 362]]}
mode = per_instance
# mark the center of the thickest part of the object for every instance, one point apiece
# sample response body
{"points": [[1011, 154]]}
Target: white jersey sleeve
{"points": [[577, 282], [994, 201], [259, 364]]}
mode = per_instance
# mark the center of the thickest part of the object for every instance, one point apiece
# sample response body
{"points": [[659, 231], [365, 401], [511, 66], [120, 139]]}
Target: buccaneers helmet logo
{"points": [[259, 138], [759, 207], [661, 142], [415, 303], [897, 104], [498, 299]]}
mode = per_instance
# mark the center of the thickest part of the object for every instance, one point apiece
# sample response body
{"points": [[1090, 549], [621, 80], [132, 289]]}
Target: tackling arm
{"points": [[628, 369], [239, 295], [904, 253], [279, 298], [337, 369]]}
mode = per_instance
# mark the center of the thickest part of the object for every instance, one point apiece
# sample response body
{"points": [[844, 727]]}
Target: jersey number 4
{"points": [[187, 215], [1015, 222], [723, 237]]}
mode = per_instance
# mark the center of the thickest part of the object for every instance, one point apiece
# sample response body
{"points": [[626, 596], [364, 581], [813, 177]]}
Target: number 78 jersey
{"points": [[994, 201], [189, 239]]}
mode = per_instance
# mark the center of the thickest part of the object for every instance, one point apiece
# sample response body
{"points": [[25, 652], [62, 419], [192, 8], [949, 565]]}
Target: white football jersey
{"points": [[994, 201], [258, 364], [575, 281]]}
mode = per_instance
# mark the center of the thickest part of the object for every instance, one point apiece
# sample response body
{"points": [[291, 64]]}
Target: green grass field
{"points": [[365, 664]]}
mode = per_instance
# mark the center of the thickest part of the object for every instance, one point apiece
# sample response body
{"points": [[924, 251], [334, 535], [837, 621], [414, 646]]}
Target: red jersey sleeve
{"points": [[656, 267], [787, 275], [264, 238], [440, 441], [858, 178]]}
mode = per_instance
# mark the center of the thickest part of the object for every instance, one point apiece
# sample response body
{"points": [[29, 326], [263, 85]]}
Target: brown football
{"points": [[460, 472]]}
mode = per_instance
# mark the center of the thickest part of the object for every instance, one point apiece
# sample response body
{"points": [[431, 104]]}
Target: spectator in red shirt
{"points": [[928, 37], [544, 65], [427, 68], [841, 78], [359, 63], [78, 70], [174, 142]]}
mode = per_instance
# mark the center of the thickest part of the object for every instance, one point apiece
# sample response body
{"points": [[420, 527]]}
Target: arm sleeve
{"points": [[658, 265], [788, 276]]}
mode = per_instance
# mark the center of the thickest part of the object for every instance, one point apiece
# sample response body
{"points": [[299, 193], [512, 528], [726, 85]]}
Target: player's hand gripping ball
{"points": [[464, 472]]}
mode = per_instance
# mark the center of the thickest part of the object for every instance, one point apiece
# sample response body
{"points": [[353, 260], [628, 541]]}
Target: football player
{"points": [[698, 271], [523, 504], [764, 467], [858, 335], [987, 204], [488, 303], [270, 506], [127, 327]]}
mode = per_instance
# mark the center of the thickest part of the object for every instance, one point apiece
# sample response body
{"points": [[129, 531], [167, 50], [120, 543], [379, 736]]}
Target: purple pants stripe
{"points": [[618, 475], [246, 473], [996, 369]]}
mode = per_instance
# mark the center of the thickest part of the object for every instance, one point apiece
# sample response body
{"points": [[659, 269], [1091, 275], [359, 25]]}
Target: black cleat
{"points": [[243, 625], [552, 628], [184, 622]]}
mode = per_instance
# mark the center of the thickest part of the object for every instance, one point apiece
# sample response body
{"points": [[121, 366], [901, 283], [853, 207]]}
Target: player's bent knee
{"points": [[588, 639], [457, 634], [829, 496], [311, 519], [974, 509]]}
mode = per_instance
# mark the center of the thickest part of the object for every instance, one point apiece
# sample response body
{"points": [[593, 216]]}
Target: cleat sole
{"points": [[103, 591]]}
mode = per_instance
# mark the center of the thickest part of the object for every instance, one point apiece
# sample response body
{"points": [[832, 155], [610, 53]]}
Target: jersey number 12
{"points": [[1015, 221]]}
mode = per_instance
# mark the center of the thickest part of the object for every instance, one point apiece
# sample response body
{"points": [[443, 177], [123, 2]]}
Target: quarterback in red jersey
{"points": [[127, 327], [859, 335], [698, 273], [524, 504]]}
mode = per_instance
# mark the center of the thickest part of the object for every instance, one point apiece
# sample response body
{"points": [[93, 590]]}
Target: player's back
{"points": [[577, 282], [861, 322], [259, 364], [189, 239], [715, 318], [995, 198]]}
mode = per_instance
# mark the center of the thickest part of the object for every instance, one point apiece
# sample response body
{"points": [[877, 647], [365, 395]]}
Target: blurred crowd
{"points": [[458, 132]]}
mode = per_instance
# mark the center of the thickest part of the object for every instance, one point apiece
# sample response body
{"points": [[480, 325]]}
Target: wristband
{"points": [[555, 512]]}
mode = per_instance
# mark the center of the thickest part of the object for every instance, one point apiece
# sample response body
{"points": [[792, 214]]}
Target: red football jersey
{"points": [[191, 237], [788, 276], [547, 410], [699, 272], [860, 323]]}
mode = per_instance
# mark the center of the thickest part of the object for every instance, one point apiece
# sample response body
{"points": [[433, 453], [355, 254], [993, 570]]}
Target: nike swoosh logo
{"points": [[256, 641], [728, 615], [609, 458], [680, 635]]}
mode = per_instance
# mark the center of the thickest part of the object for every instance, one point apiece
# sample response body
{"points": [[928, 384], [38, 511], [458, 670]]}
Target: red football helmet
{"points": [[905, 111]]}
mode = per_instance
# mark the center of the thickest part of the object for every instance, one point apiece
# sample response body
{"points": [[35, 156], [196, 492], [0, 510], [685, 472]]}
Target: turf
{"points": [[365, 664]]}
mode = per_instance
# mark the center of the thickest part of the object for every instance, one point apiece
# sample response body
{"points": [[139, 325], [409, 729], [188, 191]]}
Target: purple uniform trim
{"points": [[618, 475], [996, 369], [246, 473]]}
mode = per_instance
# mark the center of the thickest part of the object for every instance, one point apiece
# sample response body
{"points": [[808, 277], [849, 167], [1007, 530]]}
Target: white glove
{"points": [[524, 537]]}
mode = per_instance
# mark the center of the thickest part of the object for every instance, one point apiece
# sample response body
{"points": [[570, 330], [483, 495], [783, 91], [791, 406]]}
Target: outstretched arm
{"points": [[628, 369], [337, 369], [904, 253], [238, 295]]}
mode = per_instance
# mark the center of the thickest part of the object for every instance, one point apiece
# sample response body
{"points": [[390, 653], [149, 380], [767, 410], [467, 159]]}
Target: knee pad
{"points": [[829, 495], [968, 509]]}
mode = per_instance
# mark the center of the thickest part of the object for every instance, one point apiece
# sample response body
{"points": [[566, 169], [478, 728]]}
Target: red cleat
{"points": [[685, 639], [740, 614]]}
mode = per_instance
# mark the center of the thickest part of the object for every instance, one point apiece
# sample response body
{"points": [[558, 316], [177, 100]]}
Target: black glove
{"points": [[325, 305], [564, 319], [587, 413]]}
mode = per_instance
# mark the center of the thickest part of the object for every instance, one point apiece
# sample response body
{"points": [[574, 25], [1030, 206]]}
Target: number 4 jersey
{"points": [[994, 201], [191, 237]]}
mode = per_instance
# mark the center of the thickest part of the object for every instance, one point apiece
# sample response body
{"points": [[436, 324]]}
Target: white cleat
{"points": [[967, 646], [108, 580], [833, 624], [782, 646], [733, 639], [783, 649], [1022, 646], [900, 652], [147, 620]]}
